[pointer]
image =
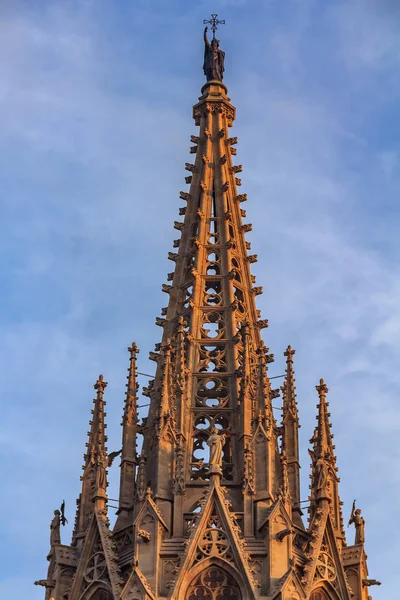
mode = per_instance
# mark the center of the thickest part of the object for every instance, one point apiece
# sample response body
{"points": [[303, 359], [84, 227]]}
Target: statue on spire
{"points": [[216, 443], [55, 529], [359, 524], [214, 58]]}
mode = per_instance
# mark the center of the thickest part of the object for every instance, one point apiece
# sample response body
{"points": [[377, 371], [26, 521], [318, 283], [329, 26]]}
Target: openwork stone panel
{"points": [[214, 584]]}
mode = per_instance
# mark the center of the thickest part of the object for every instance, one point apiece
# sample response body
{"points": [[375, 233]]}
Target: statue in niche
{"points": [[214, 59], [216, 442], [320, 470], [55, 537], [322, 474], [101, 474], [359, 524]]}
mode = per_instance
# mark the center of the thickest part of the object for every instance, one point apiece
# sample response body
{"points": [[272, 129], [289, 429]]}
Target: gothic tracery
{"points": [[213, 584]]}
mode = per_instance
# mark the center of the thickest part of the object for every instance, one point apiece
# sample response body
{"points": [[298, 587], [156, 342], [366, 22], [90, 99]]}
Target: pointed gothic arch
{"points": [[321, 593], [213, 583], [97, 591]]}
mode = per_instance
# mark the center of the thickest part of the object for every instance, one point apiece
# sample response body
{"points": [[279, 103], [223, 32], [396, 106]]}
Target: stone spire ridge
{"points": [[290, 436], [265, 393], [322, 441], [267, 471], [99, 448], [324, 479], [94, 478], [129, 440], [211, 330], [288, 388], [165, 407]]}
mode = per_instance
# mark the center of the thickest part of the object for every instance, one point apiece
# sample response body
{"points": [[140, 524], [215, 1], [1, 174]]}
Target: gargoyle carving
{"points": [[280, 536], [145, 535]]}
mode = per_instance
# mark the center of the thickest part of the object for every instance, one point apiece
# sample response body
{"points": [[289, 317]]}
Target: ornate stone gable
{"points": [[289, 587], [137, 587], [324, 561], [98, 566], [215, 540], [149, 507]]}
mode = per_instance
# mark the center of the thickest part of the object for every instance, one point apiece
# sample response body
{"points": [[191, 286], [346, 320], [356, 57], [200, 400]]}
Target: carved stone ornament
{"points": [[96, 567], [144, 535], [179, 481], [248, 479], [216, 108], [325, 567], [214, 584]]}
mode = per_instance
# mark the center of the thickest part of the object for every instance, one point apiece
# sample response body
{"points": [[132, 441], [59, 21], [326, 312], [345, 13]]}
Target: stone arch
{"points": [[97, 591], [214, 582], [319, 594], [323, 593]]}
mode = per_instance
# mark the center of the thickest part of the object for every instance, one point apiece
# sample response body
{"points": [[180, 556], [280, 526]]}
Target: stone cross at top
{"points": [[214, 22]]}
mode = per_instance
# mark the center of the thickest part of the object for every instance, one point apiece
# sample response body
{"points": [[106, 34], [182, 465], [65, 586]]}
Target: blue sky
{"points": [[95, 118]]}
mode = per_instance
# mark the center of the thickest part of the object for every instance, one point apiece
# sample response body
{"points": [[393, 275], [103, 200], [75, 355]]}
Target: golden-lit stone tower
{"points": [[209, 499]]}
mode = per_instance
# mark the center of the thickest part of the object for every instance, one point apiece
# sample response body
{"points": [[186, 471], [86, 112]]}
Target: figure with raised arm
{"points": [[359, 524], [214, 59]]}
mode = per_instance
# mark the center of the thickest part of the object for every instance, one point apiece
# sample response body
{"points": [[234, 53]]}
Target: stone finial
{"points": [[100, 385], [130, 411], [321, 389], [323, 437], [289, 389]]}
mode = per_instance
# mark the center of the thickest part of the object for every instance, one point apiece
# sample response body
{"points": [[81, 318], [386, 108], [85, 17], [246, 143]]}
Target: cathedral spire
{"points": [[208, 358], [94, 478], [322, 441], [99, 449], [324, 479], [129, 439], [290, 436]]}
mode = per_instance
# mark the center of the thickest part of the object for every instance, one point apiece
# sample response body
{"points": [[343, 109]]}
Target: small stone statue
{"points": [[101, 475], [214, 59], [216, 443], [321, 471], [55, 537], [322, 474], [359, 524]]}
